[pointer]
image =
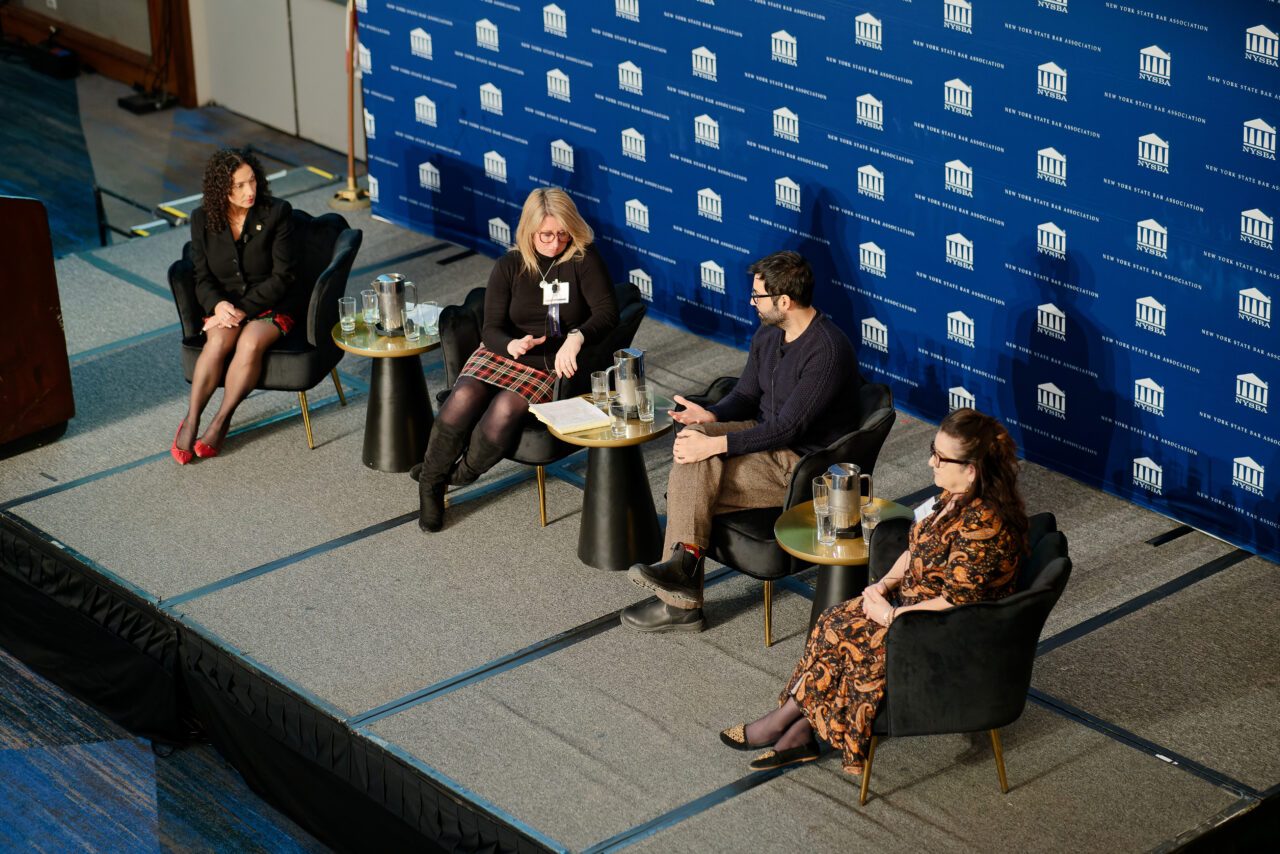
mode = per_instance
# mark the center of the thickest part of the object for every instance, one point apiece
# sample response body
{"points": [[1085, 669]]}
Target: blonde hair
{"points": [[555, 202]]}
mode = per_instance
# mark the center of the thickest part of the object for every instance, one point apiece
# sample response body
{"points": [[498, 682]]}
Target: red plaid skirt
{"points": [[532, 384]]}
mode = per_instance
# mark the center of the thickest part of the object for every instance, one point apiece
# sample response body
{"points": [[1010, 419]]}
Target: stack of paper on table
{"points": [[570, 416]]}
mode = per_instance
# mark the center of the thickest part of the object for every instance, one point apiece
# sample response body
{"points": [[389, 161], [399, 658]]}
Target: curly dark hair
{"points": [[217, 184], [989, 448]]}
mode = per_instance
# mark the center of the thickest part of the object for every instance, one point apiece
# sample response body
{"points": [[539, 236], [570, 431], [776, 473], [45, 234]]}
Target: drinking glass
{"points": [[410, 296], [429, 313], [347, 314], [822, 510], [412, 329], [826, 524], [617, 418], [644, 402], [600, 389], [369, 300], [870, 518]]}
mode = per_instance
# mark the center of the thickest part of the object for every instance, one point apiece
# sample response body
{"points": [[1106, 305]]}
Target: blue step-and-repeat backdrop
{"points": [[1060, 212]]}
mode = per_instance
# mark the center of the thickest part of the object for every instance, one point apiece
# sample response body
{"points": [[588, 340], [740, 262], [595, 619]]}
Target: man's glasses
{"points": [[933, 454], [551, 236], [755, 296]]}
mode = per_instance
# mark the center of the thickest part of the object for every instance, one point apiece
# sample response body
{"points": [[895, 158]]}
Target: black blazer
{"points": [[265, 278]]}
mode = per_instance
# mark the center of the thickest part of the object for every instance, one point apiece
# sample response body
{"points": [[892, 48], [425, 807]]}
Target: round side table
{"points": [[398, 420], [619, 522], [842, 568]]}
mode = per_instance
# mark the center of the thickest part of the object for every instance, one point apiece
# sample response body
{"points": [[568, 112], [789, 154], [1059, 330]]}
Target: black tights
{"points": [[492, 412]]}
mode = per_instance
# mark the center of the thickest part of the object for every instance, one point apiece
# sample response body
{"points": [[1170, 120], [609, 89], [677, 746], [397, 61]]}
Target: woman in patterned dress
{"points": [[967, 549], [546, 298]]}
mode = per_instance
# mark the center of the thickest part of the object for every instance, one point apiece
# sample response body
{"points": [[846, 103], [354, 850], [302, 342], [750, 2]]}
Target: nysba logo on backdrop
{"points": [[1051, 400], [1260, 139], [500, 232], [786, 194], [871, 259], [706, 131], [786, 125], [958, 178], [875, 335], [960, 251], [637, 213], [370, 125], [630, 78], [628, 9], [870, 111], [1149, 315], [711, 276], [783, 47], [424, 110], [704, 64], [633, 144], [1153, 238], [1051, 240], [1153, 153], [1148, 475], [960, 328], [959, 397], [1256, 228], [429, 176], [957, 97], [365, 59], [1252, 391], [486, 34], [643, 281], [1262, 45], [554, 21], [558, 85], [1248, 475], [373, 189], [868, 31], [1051, 321], [495, 166], [1051, 81], [420, 43], [362, 6], [1148, 395], [1255, 307], [561, 155], [1054, 5], [1051, 166], [871, 182], [491, 99], [1155, 65], [709, 204], [958, 15]]}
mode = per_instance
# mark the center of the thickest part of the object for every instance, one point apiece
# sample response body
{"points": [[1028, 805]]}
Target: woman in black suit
{"points": [[242, 249]]}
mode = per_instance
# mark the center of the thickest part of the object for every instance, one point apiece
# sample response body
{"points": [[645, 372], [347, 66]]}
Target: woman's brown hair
{"points": [[989, 448], [218, 174]]}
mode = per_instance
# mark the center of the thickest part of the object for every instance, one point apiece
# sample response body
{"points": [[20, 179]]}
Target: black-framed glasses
{"points": [[755, 296], [933, 454], [549, 236]]}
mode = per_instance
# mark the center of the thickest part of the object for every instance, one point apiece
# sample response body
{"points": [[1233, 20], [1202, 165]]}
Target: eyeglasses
{"points": [[550, 236], [934, 455], [755, 296]]}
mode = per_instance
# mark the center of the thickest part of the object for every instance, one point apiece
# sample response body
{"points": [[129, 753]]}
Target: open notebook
{"points": [[572, 415]]}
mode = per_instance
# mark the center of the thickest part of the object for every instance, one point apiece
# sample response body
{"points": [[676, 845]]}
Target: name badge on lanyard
{"points": [[554, 292]]}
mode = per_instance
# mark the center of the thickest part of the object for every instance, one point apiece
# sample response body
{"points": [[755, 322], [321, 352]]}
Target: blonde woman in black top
{"points": [[546, 298]]}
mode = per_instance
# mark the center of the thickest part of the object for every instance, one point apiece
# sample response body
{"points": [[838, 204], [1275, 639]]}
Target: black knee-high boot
{"points": [[481, 456], [443, 448]]}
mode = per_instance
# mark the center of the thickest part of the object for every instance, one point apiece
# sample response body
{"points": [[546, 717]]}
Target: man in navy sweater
{"points": [[797, 393]]}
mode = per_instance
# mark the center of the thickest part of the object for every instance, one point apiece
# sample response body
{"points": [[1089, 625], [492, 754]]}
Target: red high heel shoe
{"points": [[180, 456], [204, 451]]}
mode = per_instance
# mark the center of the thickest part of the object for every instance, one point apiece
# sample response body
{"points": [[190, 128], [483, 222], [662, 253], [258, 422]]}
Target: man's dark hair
{"points": [[786, 273]]}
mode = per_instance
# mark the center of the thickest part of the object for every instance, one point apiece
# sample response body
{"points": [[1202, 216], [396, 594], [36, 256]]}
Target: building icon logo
{"points": [[371, 124], [633, 144], [643, 282], [364, 59], [491, 99], [1248, 475], [704, 64], [1148, 395], [1262, 45], [558, 85], [1148, 475], [1257, 228], [709, 204], [500, 232], [420, 43], [706, 131], [1155, 65], [429, 176], [871, 182], [711, 275], [786, 125], [957, 97], [495, 166], [871, 259], [630, 78], [424, 110], [562, 155], [958, 15], [1252, 391], [959, 397], [1153, 238], [1051, 321], [1051, 81], [868, 31], [1260, 139], [1051, 166], [627, 9], [783, 46], [959, 178], [637, 215], [960, 328], [373, 189], [960, 251], [786, 194], [1153, 153], [486, 34], [554, 21], [870, 112], [1255, 307], [362, 6], [875, 335], [1051, 241], [1051, 400], [1149, 314]]}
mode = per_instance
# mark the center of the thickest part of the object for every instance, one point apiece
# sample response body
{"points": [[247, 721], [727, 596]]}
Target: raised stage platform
{"points": [[473, 688]]}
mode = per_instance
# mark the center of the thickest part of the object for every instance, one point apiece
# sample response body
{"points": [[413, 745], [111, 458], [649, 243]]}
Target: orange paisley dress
{"points": [[966, 556]]}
